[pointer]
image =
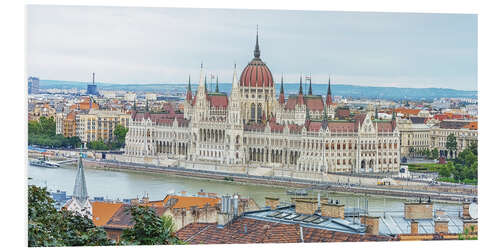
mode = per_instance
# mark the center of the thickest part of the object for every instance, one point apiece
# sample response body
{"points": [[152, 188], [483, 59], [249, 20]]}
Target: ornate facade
{"points": [[250, 127]]}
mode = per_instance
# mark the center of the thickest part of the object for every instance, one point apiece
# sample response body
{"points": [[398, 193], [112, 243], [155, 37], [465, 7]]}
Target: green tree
{"points": [[446, 170], [49, 227], [149, 228], [98, 145], [434, 153], [120, 133], [451, 143]]}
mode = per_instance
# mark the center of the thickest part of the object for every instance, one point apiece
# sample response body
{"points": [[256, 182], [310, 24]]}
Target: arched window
{"points": [[252, 112], [259, 112]]}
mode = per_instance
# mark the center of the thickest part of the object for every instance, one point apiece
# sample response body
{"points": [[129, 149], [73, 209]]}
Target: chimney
{"points": [[465, 210], [301, 234], [441, 226], [418, 210], [414, 227], [303, 206], [371, 223], [271, 202], [333, 210], [470, 225]]}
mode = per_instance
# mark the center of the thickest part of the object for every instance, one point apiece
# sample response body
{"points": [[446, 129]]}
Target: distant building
{"points": [[464, 131], [129, 97], [66, 124], [150, 96], [33, 85], [41, 110], [92, 88], [99, 124]]}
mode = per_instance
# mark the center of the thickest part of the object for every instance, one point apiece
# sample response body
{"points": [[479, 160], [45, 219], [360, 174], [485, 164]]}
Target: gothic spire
{"points": [[310, 86], [329, 100], [206, 90], [324, 123], [282, 92], [80, 189], [217, 85], [329, 90], [281, 88], [300, 88], [256, 52], [147, 105], [189, 83]]}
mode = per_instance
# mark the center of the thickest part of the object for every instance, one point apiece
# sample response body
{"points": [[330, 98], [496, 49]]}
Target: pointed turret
{"points": [[324, 123], [300, 98], [329, 100], [256, 51], [310, 86], [376, 113], [202, 88], [189, 94], [206, 90], [308, 115], [147, 105], [300, 86], [80, 189], [135, 106], [217, 85], [282, 92]]}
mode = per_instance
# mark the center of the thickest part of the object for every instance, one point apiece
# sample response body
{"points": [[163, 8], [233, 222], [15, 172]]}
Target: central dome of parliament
{"points": [[256, 73]]}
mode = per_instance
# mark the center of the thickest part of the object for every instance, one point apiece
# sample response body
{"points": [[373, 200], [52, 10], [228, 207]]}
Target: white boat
{"points": [[44, 164]]}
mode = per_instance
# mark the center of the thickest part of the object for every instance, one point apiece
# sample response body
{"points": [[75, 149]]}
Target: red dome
{"points": [[256, 74]]}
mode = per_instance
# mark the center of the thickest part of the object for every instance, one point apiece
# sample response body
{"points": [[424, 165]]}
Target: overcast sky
{"points": [[165, 45]]}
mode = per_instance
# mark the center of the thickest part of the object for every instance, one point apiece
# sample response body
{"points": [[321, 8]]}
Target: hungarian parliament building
{"points": [[251, 128]]}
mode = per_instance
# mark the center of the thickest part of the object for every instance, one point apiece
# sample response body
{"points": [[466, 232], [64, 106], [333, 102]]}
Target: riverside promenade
{"points": [[450, 193]]}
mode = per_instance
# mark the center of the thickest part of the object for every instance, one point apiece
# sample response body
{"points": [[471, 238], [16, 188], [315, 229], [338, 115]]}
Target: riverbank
{"points": [[399, 192]]}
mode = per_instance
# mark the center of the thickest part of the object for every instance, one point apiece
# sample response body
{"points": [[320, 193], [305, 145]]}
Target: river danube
{"points": [[120, 184]]}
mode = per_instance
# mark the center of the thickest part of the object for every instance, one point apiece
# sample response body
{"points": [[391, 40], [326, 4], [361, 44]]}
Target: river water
{"points": [[114, 184]]}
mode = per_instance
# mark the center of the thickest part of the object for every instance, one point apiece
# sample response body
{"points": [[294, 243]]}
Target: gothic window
{"points": [[259, 112], [252, 111]]}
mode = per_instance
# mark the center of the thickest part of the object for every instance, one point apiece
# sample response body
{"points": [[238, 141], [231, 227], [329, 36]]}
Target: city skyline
{"points": [[134, 45]]}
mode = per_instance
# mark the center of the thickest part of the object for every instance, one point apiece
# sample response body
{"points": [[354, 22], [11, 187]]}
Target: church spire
{"points": [[80, 189], [256, 52], [329, 100], [300, 88], [324, 123], [189, 94], [282, 92], [310, 86], [217, 85]]}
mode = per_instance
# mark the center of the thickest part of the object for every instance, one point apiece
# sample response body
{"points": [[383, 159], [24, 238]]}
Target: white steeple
{"points": [[201, 86], [234, 108]]}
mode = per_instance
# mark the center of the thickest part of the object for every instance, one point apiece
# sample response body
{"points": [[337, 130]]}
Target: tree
{"points": [[451, 143], [49, 227], [149, 228], [120, 133], [434, 153], [446, 170], [98, 145]]}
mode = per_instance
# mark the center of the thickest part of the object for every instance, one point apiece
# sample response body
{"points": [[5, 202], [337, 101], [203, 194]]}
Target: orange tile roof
{"points": [[103, 211], [407, 111], [186, 201], [471, 125]]}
